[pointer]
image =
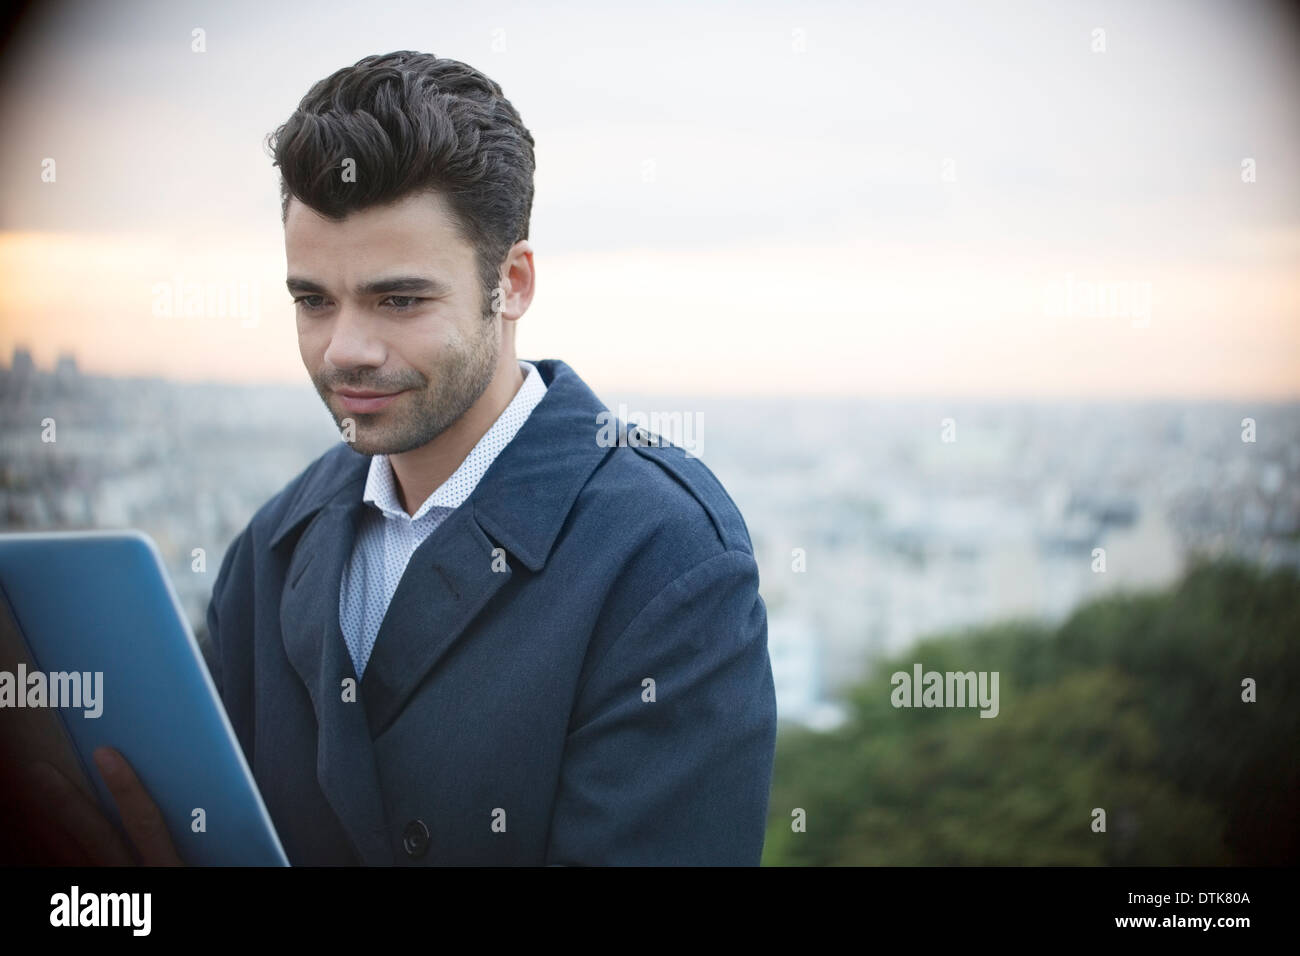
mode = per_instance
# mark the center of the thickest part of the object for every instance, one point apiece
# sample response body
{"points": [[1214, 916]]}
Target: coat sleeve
{"points": [[668, 760]]}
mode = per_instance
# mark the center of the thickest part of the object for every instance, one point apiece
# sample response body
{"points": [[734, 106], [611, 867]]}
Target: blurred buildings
{"points": [[871, 529]]}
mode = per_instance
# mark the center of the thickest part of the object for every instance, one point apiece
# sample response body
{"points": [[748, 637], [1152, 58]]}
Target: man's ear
{"points": [[518, 279]]}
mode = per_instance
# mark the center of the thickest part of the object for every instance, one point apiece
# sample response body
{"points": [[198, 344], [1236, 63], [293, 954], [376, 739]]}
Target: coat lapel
{"points": [[313, 641], [519, 505], [448, 580]]}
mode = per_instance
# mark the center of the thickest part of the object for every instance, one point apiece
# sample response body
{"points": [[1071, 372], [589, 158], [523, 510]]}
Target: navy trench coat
{"points": [[573, 669]]}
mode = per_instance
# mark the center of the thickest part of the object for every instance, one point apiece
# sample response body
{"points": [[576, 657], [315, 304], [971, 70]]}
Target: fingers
{"points": [[141, 817], [67, 826]]}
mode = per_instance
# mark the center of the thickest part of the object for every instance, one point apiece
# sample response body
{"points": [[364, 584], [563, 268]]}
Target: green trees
{"points": [[1133, 705]]}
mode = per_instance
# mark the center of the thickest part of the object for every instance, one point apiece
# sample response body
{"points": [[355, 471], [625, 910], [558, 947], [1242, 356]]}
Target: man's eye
{"points": [[401, 303]]}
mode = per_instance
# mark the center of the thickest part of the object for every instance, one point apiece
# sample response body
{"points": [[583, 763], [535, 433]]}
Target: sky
{"points": [[1004, 199]]}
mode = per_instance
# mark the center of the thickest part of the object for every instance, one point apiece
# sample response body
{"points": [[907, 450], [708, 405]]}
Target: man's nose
{"points": [[354, 340]]}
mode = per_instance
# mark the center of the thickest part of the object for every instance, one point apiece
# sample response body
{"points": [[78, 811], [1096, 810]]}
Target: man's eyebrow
{"points": [[395, 285]]}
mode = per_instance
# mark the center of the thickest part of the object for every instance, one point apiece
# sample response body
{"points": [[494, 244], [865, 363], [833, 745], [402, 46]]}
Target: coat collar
{"points": [[525, 495]]}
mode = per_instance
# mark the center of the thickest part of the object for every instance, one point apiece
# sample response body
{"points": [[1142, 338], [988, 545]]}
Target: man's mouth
{"points": [[360, 400]]}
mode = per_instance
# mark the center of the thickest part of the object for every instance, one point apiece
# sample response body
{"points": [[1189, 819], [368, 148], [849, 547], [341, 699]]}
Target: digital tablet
{"points": [[93, 633]]}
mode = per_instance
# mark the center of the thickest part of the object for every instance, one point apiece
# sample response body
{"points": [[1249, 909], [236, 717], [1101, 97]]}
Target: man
{"points": [[473, 632]]}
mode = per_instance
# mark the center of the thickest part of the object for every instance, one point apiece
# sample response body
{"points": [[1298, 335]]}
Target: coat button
{"points": [[415, 838]]}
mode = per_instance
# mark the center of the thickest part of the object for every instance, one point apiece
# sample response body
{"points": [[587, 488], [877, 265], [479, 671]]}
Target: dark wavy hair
{"points": [[413, 122]]}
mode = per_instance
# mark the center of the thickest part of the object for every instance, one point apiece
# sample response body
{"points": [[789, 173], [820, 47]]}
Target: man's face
{"points": [[390, 319]]}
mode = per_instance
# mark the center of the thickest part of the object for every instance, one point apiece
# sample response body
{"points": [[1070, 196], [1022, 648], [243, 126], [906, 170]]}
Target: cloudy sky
{"points": [[1001, 199]]}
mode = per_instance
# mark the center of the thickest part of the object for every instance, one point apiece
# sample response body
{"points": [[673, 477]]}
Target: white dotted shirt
{"points": [[387, 536]]}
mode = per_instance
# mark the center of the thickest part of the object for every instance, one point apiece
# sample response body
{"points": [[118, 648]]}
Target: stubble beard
{"points": [[458, 382]]}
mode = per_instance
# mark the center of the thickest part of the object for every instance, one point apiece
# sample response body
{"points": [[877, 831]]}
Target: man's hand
{"points": [[73, 831]]}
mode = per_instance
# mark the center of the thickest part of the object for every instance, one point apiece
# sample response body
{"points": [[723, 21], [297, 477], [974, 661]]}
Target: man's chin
{"points": [[368, 441], [363, 431], [364, 444], [362, 448], [363, 438]]}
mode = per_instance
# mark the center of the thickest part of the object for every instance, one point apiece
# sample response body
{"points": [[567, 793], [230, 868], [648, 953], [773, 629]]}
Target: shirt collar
{"points": [[381, 486], [521, 503]]}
